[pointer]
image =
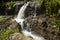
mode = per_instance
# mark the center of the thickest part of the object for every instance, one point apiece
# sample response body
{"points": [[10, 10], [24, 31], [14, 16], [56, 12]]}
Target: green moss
{"points": [[1, 19], [7, 33]]}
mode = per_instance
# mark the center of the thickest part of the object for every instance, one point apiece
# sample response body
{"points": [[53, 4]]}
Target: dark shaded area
{"points": [[45, 25], [29, 11], [19, 27], [2, 9], [42, 9]]}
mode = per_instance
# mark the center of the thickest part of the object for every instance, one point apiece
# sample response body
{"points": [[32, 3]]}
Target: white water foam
{"points": [[34, 36]]}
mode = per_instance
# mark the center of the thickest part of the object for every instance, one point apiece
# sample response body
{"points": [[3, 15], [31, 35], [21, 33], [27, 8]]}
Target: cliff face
{"points": [[46, 25], [42, 26], [10, 30]]}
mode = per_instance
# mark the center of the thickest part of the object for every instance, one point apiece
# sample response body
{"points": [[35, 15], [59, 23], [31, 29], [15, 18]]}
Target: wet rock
{"points": [[19, 36], [13, 25], [42, 26]]}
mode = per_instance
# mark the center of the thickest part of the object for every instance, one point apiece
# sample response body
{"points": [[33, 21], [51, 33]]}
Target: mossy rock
{"points": [[1, 20]]}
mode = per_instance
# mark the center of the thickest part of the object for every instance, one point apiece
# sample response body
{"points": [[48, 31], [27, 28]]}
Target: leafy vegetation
{"points": [[10, 5], [52, 8], [7, 33]]}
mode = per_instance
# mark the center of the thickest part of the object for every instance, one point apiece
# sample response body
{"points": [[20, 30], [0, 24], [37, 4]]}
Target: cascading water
{"points": [[20, 19]]}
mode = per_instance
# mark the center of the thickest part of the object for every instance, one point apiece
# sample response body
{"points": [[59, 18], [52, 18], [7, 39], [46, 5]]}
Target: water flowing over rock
{"points": [[19, 36], [33, 21], [20, 19]]}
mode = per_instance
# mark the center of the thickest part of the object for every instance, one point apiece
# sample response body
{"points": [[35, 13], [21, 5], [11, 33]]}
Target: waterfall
{"points": [[21, 11], [20, 19], [20, 16]]}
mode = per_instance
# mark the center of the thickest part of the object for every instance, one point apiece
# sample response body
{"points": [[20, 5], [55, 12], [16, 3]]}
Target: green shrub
{"points": [[10, 5]]}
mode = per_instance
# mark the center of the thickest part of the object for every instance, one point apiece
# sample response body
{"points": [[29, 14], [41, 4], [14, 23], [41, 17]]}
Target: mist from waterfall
{"points": [[20, 19]]}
